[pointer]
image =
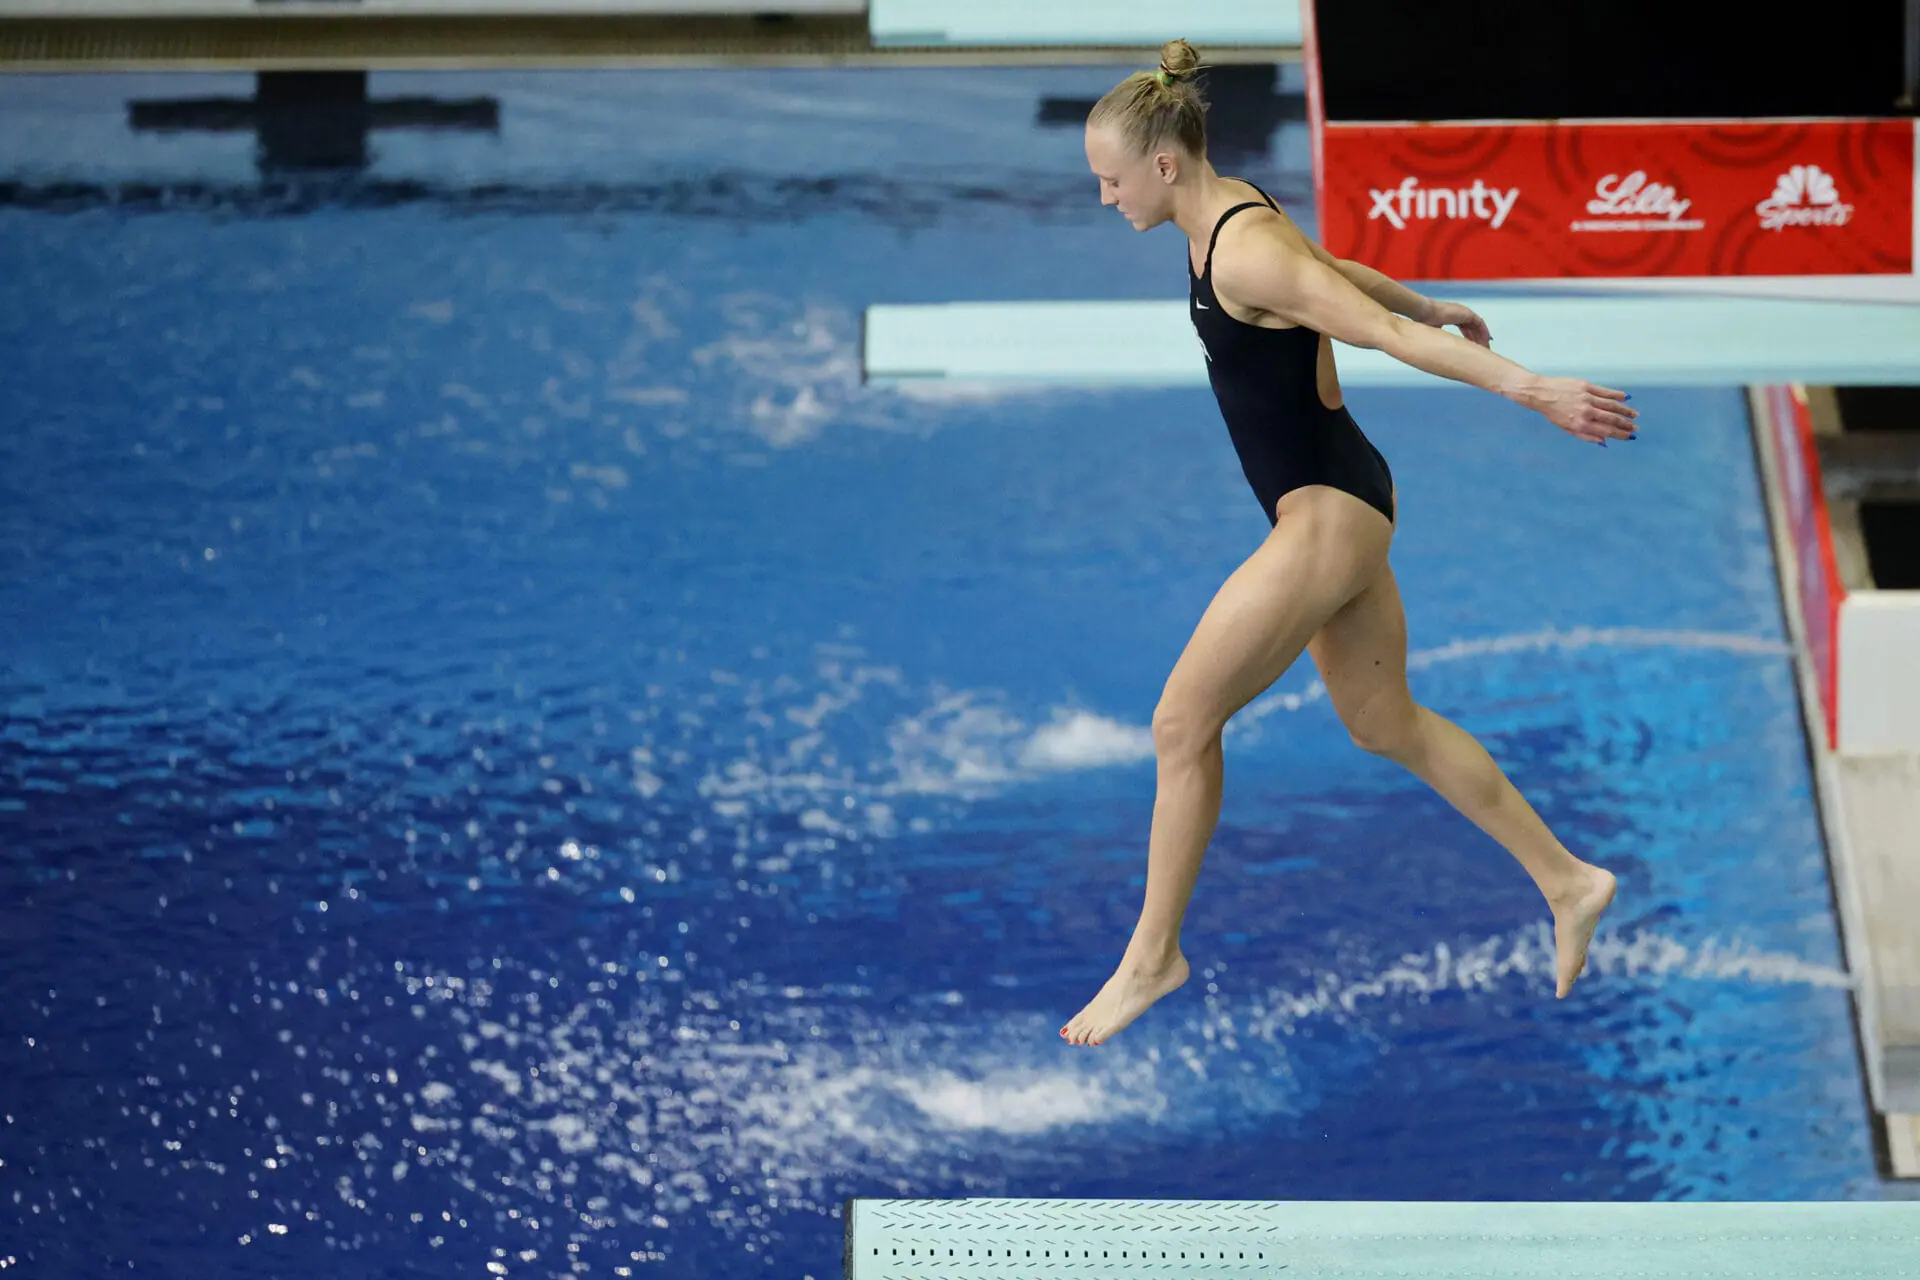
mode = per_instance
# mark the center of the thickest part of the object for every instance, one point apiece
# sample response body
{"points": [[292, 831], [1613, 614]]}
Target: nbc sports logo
{"points": [[1803, 196]]}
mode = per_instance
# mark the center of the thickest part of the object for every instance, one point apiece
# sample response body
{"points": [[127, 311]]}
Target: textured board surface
{"points": [[906, 1240]]}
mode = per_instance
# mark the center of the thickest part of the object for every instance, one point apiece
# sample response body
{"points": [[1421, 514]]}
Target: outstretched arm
{"points": [[1402, 301], [1258, 268], [1382, 288]]}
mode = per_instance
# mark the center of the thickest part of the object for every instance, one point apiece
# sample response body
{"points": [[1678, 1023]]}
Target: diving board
{"points": [[1149, 23], [1623, 341], [1363, 1240], [414, 8]]}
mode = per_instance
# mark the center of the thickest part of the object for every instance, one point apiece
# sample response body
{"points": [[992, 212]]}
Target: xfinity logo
{"points": [[1410, 200]]}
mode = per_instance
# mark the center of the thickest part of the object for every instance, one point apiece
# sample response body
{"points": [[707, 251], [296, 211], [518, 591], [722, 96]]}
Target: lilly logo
{"points": [[1804, 196], [1633, 203], [1633, 194]]}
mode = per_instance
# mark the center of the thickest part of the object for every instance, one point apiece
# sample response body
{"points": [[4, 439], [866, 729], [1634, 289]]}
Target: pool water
{"points": [[514, 761]]}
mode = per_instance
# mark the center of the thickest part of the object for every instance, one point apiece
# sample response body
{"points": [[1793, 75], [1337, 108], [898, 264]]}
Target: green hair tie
{"points": [[1161, 76]]}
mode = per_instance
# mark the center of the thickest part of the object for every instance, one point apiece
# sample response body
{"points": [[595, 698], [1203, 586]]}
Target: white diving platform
{"points": [[1362, 1240], [1623, 341]]}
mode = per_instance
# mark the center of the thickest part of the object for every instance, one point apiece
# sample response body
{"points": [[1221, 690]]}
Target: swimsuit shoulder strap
{"points": [[1264, 201], [1263, 195], [1207, 269]]}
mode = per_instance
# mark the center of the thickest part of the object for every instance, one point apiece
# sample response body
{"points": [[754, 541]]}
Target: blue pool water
{"points": [[513, 761]]}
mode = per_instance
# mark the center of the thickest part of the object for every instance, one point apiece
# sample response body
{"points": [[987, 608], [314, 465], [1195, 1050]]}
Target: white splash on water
{"points": [[940, 743], [793, 374], [1004, 747], [1084, 740], [812, 1088], [1022, 1102], [1528, 955], [1550, 639]]}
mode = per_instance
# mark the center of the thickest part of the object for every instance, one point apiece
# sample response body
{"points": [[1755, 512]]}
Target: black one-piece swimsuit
{"points": [[1267, 385]]}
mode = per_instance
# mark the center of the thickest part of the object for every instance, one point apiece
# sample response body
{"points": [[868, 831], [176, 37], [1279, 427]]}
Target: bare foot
{"points": [[1574, 916], [1128, 993]]}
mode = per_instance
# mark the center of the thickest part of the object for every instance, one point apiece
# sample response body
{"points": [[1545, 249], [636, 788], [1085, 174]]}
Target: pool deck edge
{"points": [[1866, 815]]}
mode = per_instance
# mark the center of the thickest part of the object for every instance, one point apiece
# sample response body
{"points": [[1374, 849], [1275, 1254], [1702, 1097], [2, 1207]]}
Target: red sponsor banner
{"points": [[1803, 494], [1621, 198]]}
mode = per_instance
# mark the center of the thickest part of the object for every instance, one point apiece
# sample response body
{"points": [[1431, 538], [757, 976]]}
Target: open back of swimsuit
{"points": [[1267, 385]]}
